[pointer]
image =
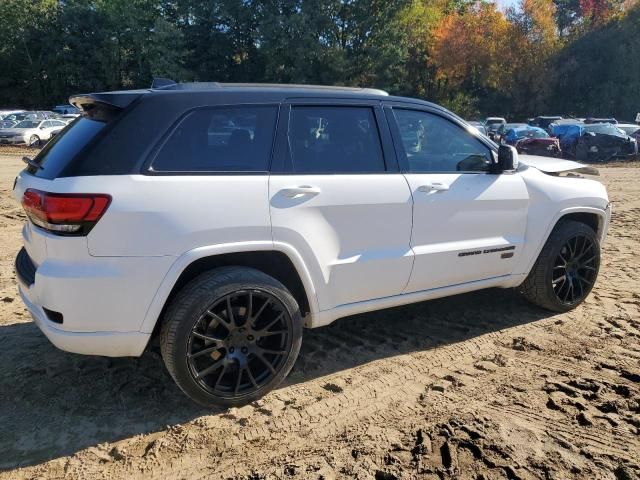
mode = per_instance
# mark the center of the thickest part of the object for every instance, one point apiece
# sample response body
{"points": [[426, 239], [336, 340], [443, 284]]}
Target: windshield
{"points": [[27, 124], [531, 133], [604, 129], [494, 121]]}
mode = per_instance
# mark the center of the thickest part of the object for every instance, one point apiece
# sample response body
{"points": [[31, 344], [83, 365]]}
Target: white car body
{"points": [[347, 266], [42, 129], [358, 242]]}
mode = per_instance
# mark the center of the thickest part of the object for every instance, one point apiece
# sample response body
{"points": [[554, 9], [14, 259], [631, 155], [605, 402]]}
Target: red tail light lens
{"points": [[66, 213]]}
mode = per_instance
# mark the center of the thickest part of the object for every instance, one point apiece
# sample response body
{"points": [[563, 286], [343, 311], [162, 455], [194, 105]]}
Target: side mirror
{"points": [[507, 159]]}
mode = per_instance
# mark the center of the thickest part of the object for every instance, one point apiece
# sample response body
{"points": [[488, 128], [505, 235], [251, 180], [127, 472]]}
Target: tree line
{"points": [[571, 57]]}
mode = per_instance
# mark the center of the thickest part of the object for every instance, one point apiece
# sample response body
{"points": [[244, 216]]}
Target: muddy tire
{"points": [[566, 268], [230, 336]]}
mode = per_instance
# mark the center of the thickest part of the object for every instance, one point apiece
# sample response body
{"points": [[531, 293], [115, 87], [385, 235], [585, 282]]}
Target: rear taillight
{"points": [[65, 213]]}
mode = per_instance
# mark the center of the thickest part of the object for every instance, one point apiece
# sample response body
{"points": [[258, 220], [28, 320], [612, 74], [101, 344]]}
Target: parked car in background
{"points": [[31, 132], [533, 141], [544, 121], [480, 127], [603, 141], [7, 113], [7, 123], [504, 128], [30, 115], [65, 109], [493, 124], [567, 134], [590, 120], [630, 129]]}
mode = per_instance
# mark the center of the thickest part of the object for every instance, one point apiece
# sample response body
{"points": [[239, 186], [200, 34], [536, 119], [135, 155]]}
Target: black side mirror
{"points": [[507, 159]]}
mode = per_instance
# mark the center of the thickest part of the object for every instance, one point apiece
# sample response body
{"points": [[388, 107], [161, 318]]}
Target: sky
{"points": [[503, 4]]}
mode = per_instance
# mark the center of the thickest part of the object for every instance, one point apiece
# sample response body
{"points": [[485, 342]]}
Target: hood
{"points": [[556, 166]]}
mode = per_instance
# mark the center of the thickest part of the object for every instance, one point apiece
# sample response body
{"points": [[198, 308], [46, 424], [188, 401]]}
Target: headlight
{"points": [[594, 149]]}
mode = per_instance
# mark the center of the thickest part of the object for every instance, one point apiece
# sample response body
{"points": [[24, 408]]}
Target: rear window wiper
{"points": [[32, 163]]}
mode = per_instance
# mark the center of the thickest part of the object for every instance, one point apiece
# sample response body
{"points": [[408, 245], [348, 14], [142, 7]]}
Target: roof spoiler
{"points": [[103, 106], [161, 82]]}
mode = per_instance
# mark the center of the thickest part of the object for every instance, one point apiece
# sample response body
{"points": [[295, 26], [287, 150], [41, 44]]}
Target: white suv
{"points": [[224, 218]]}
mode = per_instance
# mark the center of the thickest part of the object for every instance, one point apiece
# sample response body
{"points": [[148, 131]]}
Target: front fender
{"points": [[603, 225], [552, 197]]}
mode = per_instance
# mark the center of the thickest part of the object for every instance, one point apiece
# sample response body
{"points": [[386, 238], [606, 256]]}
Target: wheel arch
{"points": [[279, 261], [595, 218]]}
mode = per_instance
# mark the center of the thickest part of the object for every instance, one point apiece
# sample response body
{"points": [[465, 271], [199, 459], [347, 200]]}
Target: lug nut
{"points": [[244, 350], [250, 338], [231, 350]]}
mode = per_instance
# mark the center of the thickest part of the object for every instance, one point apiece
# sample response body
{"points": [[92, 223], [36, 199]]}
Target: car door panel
{"points": [[471, 231], [354, 234], [352, 229], [468, 224]]}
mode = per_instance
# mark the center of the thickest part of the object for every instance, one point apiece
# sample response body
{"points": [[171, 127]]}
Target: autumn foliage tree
{"points": [[473, 56]]}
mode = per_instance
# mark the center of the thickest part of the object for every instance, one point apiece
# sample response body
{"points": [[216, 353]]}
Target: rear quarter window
{"points": [[219, 139], [64, 147]]}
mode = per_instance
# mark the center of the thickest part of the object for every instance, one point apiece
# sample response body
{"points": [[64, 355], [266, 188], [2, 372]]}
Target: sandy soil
{"points": [[477, 386]]}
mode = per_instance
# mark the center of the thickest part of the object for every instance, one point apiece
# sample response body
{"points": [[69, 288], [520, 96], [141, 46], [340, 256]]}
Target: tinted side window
{"points": [[434, 144], [225, 139], [334, 140], [59, 153]]}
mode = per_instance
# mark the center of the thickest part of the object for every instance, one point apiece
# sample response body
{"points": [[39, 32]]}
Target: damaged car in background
{"points": [[533, 141], [601, 142]]}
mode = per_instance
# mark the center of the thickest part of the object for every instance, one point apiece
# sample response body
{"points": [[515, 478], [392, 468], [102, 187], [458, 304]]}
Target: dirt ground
{"points": [[478, 386]]}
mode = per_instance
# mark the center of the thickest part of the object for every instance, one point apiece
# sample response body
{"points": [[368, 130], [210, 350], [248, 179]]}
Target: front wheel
{"points": [[230, 336], [566, 269], [34, 141]]}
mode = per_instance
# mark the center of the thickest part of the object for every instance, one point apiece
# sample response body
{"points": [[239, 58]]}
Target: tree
{"points": [[534, 36], [472, 55]]}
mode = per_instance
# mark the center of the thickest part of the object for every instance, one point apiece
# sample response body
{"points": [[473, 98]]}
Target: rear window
{"points": [[334, 140], [221, 139], [65, 146]]}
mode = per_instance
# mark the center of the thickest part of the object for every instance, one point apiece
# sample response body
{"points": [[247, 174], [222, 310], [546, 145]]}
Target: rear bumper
{"points": [[108, 344], [83, 304]]}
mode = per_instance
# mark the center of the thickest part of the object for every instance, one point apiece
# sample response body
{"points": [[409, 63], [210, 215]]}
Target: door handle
{"points": [[433, 187], [295, 192]]}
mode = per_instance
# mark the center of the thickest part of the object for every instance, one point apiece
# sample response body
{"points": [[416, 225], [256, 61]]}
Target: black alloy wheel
{"points": [[575, 269], [239, 343], [566, 269], [231, 335]]}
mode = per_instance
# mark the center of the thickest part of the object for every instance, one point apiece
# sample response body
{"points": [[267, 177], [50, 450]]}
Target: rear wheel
{"points": [[566, 269], [230, 336]]}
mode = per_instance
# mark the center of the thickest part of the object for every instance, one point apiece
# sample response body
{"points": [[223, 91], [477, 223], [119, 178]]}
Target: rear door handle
{"points": [[433, 187], [302, 190]]}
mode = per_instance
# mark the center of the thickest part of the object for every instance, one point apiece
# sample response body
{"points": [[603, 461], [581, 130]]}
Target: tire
{"points": [[576, 245], [230, 336], [34, 141]]}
